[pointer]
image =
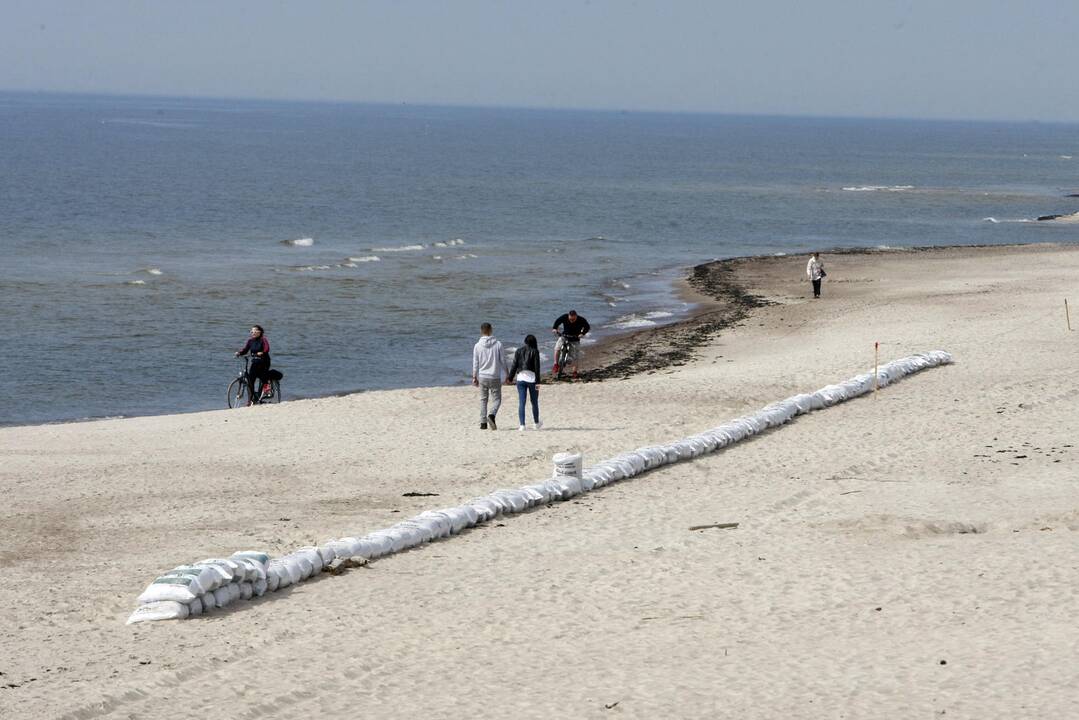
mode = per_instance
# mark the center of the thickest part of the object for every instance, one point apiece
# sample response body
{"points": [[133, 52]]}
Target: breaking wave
{"points": [[639, 320], [299, 242], [879, 188], [399, 248]]}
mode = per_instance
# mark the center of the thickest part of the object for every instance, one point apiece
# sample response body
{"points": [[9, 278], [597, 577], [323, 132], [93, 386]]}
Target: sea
{"points": [[141, 237]]}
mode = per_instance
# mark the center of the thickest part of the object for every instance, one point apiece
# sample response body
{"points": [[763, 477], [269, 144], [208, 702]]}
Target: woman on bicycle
{"points": [[259, 348], [526, 368]]}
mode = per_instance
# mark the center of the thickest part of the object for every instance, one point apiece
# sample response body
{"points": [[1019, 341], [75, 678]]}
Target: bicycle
{"points": [[561, 356], [237, 392]]}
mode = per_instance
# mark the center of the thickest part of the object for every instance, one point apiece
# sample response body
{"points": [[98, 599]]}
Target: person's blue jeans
{"points": [[530, 389]]}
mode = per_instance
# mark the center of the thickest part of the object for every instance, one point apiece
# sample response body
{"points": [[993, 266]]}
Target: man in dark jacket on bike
{"points": [[573, 328], [258, 346]]}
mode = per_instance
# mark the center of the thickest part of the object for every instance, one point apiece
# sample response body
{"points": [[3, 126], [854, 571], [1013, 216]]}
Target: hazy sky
{"points": [[993, 59]]}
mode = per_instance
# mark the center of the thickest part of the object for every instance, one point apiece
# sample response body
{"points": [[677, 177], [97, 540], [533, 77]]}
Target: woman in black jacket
{"points": [[526, 368]]}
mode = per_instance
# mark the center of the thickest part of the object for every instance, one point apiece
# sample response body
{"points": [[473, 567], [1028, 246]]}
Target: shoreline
{"points": [[721, 301]]}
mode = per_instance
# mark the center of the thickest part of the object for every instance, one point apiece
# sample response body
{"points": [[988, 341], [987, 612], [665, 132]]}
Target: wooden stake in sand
{"points": [[1067, 315], [876, 363]]}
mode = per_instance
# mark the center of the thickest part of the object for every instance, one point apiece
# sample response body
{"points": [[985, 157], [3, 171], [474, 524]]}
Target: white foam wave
{"points": [[299, 242], [449, 243], [1065, 157], [135, 282], [365, 258], [400, 248], [310, 268], [466, 256], [991, 220], [879, 188], [657, 314], [151, 271]]}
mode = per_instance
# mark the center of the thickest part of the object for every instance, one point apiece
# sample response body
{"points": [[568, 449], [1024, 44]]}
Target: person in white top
{"points": [[815, 271], [488, 369]]}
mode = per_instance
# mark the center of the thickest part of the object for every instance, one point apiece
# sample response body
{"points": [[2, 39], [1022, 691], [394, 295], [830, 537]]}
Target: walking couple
{"points": [[489, 368]]}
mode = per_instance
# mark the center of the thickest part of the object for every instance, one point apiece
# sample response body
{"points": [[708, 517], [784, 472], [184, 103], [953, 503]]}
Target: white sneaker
{"points": [[539, 426], [521, 428]]}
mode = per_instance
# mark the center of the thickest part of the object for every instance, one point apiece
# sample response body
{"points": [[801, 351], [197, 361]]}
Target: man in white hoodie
{"points": [[488, 370]]}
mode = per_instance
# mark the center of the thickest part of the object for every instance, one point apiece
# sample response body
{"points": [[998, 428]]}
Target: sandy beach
{"points": [[911, 554]]}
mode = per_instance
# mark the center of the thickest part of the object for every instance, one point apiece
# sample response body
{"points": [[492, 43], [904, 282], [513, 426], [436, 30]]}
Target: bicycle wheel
{"points": [[237, 393]]}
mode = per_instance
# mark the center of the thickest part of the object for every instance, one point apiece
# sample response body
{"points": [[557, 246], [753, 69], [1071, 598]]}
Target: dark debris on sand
{"points": [[658, 348]]}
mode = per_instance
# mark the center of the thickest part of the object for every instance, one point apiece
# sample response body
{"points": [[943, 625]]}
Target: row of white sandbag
{"points": [[434, 524]]}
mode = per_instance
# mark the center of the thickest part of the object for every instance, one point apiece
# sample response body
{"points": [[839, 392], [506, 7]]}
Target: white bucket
{"points": [[568, 465]]}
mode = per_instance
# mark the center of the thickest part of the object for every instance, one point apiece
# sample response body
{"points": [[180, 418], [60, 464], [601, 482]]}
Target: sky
{"points": [[958, 59]]}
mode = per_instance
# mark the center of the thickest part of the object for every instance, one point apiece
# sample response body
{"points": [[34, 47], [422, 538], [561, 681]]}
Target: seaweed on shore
{"points": [[676, 344]]}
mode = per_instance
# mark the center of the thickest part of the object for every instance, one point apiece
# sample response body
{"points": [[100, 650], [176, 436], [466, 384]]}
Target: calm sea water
{"points": [[142, 237]]}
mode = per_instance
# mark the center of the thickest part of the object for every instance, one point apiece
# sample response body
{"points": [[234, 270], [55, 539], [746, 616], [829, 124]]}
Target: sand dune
{"points": [[905, 555]]}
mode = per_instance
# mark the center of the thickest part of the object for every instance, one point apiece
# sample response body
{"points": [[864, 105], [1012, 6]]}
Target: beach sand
{"points": [[907, 555]]}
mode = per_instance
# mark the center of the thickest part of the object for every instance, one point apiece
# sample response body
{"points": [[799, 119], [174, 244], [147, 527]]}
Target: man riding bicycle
{"points": [[573, 328]]}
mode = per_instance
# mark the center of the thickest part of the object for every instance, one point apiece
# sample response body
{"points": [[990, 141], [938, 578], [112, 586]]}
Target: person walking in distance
{"points": [[570, 328], [526, 368], [488, 369], [815, 271]]}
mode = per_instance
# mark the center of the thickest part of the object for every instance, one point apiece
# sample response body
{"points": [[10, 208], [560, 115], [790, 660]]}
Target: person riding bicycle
{"points": [[259, 348], [573, 328]]}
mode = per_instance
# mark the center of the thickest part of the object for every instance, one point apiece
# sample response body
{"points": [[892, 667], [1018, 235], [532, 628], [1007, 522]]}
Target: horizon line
{"points": [[546, 108]]}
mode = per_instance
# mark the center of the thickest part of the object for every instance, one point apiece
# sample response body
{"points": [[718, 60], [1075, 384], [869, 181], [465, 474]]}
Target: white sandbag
{"points": [[194, 608], [258, 557], [508, 504], [326, 553], [364, 548], [313, 556], [305, 564], [225, 568], [159, 610], [486, 508], [570, 486], [280, 569], [440, 525], [344, 547], [636, 461], [419, 532], [223, 596], [208, 602], [257, 571], [210, 576], [379, 543], [247, 590], [259, 587], [196, 585], [460, 517], [235, 569], [181, 589], [235, 590], [273, 580]]}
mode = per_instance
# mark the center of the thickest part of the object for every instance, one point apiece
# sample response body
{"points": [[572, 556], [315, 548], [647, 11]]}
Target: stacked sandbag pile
{"points": [[191, 590]]}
